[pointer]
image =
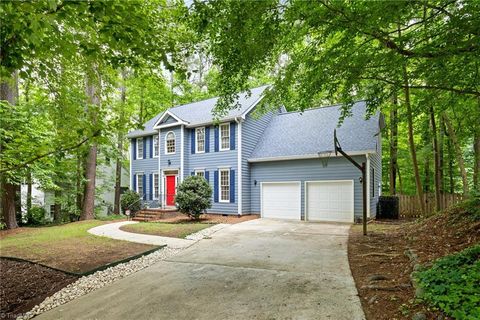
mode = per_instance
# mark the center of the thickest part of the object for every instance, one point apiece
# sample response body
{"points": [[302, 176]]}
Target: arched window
{"points": [[170, 143]]}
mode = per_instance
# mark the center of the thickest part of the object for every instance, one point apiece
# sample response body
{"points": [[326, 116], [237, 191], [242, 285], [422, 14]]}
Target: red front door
{"points": [[171, 190]]}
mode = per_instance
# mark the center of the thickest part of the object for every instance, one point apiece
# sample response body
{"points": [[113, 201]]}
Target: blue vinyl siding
{"points": [[174, 158], [211, 162], [376, 164], [169, 120], [252, 131], [338, 168], [147, 167]]}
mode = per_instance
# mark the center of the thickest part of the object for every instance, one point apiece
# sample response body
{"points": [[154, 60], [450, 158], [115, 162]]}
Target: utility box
{"points": [[388, 207]]}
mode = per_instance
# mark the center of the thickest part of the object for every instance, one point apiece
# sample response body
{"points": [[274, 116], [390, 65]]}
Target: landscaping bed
{"points": [[67, 247], [24, 284], [178, 217], [382, 268], [174, 230]]}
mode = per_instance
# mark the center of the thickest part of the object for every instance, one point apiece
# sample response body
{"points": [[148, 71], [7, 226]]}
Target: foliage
{"points": [[131, 200], [2, 225], [469, 209], [451, 284], [36, 216], [193, 196]]}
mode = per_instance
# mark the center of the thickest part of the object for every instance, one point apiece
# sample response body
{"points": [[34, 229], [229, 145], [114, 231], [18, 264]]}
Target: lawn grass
{"points": [[175, 230], [67, 247]]}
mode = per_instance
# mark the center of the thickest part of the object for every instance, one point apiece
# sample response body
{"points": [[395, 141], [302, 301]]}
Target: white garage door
{"points": [[281, 200], [329, 201]]}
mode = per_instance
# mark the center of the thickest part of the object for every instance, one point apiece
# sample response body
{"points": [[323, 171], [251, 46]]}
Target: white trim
{"points": [[368, 185], [158, 146], [220, 136], [224, 167], [328, 181], [244, 114], [199, 170], [176, 185], [239, 164], [182, 151], [167, 113], [220, 185], [160, 174], [143, 147], [174, 139], [166, 126], [204, 140], [281, 182], [153, 185], [137, 175], [307, 156]]}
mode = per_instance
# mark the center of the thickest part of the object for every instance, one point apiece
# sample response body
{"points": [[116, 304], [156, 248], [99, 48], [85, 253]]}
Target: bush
{"points": [[131, 200], [36, 216], [193, 196], [452, 284]]}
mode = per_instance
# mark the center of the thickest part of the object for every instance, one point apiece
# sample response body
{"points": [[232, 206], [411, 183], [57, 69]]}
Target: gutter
{"points": [[308, 156]]}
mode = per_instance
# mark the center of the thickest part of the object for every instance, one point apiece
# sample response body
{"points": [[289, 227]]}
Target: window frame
{"points": [[156, 186], [156, 146], [174, 142], [140, 154], [196, 140], [221, 148], [220, 186], [140, 174], [202, 171]]}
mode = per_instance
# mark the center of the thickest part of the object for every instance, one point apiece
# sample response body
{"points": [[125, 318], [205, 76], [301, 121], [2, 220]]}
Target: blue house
{"points": [[278, 164]]}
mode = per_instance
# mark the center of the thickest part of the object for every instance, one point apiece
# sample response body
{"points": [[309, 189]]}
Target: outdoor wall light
{"points": [[255, 182], [169, 162]]}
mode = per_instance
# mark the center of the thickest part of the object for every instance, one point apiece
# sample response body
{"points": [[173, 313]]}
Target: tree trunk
{"points": [[8, 92], [458, 153], [57, 214], [393, 146], [436, 155], [450, 166], [441, 165], [400, 185], [411, 140], [118, 166], [79, 191], [29, 189], [476, 156], [88, 207]]}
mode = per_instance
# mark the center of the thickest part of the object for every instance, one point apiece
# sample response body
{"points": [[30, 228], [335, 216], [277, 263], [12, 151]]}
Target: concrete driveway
{"points": [[260, 269]]}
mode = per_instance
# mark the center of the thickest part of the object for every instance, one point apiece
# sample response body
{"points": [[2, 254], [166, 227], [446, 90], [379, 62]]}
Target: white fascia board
{"points": [[157, 124], [309, 156], [244, 114]]}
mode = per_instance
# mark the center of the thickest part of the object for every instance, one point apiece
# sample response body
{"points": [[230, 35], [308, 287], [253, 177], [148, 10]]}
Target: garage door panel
{"points": [[281, 200], [330, 201]]}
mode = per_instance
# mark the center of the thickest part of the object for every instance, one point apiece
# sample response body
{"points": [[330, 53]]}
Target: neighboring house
{"points": [[267, 164], [104, 192]]}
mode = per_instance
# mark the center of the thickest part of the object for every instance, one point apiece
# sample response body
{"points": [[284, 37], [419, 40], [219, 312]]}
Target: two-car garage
{"points": [[323, 200]]}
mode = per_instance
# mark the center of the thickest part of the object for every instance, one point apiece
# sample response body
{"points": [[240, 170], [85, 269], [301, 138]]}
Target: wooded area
{"points": [[76, 76]]}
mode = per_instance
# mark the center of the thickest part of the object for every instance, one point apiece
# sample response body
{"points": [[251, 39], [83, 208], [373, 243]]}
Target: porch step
{"points": [[153, 214]]}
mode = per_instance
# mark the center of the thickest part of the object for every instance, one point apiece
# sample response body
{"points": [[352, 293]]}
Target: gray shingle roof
{"points": [[201, 112], [296, 134]]}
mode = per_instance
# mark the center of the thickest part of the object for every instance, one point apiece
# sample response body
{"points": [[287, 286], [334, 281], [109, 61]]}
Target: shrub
{"points": [[452, 284], [36, 216], [131, 200], [193, 196]]}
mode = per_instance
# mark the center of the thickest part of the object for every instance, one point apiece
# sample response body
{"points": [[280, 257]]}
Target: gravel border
{"points": [[98, 280]]}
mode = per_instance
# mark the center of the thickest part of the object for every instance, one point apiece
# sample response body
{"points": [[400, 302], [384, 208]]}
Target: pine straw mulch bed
{"points": [[177, 217], [382, 270], [24, 285]]}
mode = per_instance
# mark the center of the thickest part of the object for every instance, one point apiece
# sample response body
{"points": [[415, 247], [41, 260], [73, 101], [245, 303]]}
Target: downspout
{"points": [[369, 187], [182, 152], [160, 193], [239, 164]]}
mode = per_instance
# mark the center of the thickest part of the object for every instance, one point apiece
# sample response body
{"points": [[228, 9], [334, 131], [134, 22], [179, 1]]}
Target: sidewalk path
{"points": [[112, 230]]}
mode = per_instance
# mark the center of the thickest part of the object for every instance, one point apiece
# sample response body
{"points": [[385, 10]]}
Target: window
{"points": [[156, 187], [225, 185], [139, 148], [225, 136], [200, 139], [140, 184], [200, 173], [155, 146], [52, 210], [170, 143]]}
